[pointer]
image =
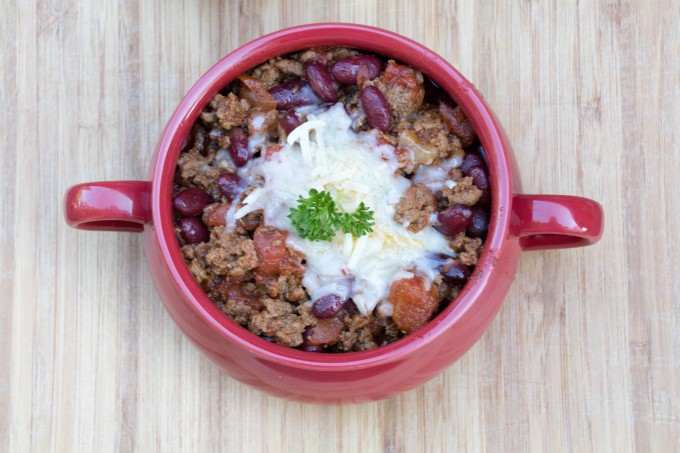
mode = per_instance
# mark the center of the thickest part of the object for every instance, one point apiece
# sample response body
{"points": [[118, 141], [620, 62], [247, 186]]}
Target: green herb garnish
{"points": [[317, 218]]}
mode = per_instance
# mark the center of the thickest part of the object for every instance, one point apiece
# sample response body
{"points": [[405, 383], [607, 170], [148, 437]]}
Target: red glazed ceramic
{"points": [[518, 222]]}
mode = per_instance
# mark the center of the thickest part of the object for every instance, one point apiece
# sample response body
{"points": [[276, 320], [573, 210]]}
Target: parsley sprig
{"points": [[317, 217]]}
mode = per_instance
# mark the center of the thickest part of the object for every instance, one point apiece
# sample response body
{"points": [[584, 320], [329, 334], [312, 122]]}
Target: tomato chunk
{"points": [[274, 257], [256, 93], [270, 246], [413, 304]]}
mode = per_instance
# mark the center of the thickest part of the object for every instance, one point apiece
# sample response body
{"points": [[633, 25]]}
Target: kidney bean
{"points": [[377, 109], [193, 231], [328, 306], [480, 178], [471, 160], [293, 94], [321, 82], [351, 308], [310, 348], [455, 272], [479, 225], [238, 146], [190, 202], [434, 94], [290, 121], [230, 184], [454, 219], [196, 139], [346, 70]]}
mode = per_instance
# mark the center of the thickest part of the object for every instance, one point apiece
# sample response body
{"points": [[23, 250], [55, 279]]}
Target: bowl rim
{"points": [[371, 39]]}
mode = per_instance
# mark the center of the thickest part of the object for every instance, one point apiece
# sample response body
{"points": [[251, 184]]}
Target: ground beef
{"points": [[403, 89], [270, 121], [240, 312], [282, 321], [351, 98], [464, 192], [290, 67], [194, 254], [431, 131], [416, 206], [288, 287], [239, 300], [468, 249], [455, 174], [325, 55], [291, 289], [229, 110], [443, 288], [230, 254], [366, 332], [268, 74], [190, 169], [357, 336]]}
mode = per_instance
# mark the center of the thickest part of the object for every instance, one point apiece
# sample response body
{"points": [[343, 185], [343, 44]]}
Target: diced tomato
{"points": [[413, 305], [234, 291], [396, 74], [254, 91], [271, 150], [270, 246], [326, 331]]}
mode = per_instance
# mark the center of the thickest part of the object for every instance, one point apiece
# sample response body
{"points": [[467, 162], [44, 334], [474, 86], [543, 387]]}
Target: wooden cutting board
{"points": [[585, 354]]}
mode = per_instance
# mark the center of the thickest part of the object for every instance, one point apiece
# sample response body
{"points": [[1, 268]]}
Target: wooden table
{"points": [[585, 354]]}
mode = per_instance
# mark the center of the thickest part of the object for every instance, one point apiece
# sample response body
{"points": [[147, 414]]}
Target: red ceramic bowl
{"points": [[518, 222]]}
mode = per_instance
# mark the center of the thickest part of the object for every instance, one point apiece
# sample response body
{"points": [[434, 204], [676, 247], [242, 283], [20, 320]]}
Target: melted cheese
{"points": [[325, 154], [435, 178]]}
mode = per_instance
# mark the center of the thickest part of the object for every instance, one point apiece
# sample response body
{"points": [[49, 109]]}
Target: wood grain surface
{"points": [[585, 354]]}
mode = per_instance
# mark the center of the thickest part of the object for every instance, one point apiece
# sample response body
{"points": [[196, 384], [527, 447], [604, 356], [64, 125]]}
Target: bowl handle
{"points": [[109, 206], [555, 221]]}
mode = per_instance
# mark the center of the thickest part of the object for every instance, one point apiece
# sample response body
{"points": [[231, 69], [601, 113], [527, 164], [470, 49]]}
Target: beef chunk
{"points": [[464, 192], [468, 249], [281, 320], [229, 110], [290, 67], [230, 254], [458, 124], [403, 88], [416, 206]]}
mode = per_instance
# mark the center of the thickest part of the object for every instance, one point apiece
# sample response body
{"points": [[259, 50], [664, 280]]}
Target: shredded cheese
{"points": [[325, 154]]}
